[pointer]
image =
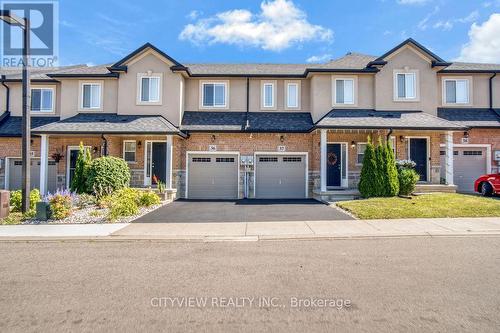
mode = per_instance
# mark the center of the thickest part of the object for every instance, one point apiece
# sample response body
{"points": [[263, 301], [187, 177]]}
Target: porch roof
{"points": [[13, 126], [110, 123], [375, 119], [472, 117], [228, 121]]}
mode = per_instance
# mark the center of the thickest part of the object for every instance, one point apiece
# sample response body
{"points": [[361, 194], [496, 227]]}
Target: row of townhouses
{"points": [[256, 130]]}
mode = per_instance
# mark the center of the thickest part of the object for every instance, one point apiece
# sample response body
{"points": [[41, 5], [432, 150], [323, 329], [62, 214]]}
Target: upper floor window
{"points": [[42, 100], [344, 91], [149, 88], [91, 96], [361, 147], [268, 95], [405, 85], [292, 95], [214, 95], [456, 91]]}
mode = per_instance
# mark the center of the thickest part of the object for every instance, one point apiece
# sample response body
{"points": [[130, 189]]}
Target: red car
{"points": [[488, 185]]}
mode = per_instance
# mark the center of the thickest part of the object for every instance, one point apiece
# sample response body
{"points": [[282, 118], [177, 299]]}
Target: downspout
{"points": [[105, 150], [491, 90], [247, 123], [388, 137], [7, 96]]}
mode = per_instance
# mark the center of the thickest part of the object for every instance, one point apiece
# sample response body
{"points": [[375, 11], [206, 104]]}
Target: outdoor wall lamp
{"points": [[94, 150], [353, 144], [139, 144], [282, 138], [466, 134], [401, 138], [213, 137]]}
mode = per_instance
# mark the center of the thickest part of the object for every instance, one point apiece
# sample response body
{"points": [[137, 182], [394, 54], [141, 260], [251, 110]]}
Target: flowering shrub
{"points": [[16, 200], [124, 202], [60, 206], [148, 198], [405, 164]]}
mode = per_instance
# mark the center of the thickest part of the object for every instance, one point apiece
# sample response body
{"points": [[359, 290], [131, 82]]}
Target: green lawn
{"points": [[427, 205]]}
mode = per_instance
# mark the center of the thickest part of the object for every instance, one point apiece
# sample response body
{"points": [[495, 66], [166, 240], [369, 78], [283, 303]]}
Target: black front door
{"points": [[418, 154], [73, 156], [159, 160], [333, 164]]}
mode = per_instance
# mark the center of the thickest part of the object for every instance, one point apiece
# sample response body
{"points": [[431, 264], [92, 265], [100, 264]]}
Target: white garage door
{"points": [[280, 176], [468, 164], [15, 174], [212, 176]]}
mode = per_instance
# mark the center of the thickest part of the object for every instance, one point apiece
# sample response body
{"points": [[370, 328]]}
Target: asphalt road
{"points": [[384, 285]]}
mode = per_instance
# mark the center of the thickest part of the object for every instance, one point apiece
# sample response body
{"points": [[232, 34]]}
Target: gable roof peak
{"points": [[122, 62]]}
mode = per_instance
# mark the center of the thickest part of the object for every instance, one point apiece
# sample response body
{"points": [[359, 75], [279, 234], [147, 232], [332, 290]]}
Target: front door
{"points": [[159, 160], [72, 156], [418, 154], [334, 164]]}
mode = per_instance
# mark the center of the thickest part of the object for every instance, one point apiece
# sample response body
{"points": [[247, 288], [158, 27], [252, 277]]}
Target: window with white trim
{"points": [[361, 147], [91, 96], [406, 86], [129, 150], [150, 89], [292, 95], [268, 95], [214, 95], [456, 91], [42, 100], [344, 91]]}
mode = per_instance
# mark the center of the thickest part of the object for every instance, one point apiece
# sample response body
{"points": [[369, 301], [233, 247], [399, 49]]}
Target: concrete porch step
{"points": [[336, 195]]}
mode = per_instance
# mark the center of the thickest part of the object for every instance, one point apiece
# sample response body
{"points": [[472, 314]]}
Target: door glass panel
{"points": [[343, 161]]}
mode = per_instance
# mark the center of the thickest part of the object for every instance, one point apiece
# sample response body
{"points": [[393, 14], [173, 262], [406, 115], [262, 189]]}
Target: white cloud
{"points": [[484, 42], [194, 14], [319, 58], [279, 25], [449, 24], [412, 2], [422, 25]]}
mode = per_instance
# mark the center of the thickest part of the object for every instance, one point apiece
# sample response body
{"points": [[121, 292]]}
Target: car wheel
{"points": [[486, 189]]}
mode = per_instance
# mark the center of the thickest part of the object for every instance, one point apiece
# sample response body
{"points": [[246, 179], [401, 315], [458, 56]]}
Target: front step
{"points": [[432, 188], [336, 195]]}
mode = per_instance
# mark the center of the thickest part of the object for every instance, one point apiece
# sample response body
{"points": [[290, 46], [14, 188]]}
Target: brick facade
{"points": [[488, 136]]}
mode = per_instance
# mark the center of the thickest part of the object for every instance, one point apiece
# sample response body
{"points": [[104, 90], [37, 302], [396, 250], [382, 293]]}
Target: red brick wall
{"points": [[483, 136]]}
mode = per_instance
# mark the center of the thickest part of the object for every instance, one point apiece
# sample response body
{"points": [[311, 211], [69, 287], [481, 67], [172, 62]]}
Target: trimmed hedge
{"points": [[106, 175]]}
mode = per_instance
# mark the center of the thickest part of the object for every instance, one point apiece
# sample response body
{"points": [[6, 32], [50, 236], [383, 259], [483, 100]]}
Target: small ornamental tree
{"points": [[392, 171], [83, 161], [107, 174], [369, 183]]}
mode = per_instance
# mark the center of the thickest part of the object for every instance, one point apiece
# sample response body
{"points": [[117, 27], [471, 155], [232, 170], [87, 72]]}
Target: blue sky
{"points": [[287, 31]]}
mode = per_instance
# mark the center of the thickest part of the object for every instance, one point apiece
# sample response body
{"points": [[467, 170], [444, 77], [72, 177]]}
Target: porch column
{"points": [[449, 157], [168, 177], [44, 163], [322, 167]]}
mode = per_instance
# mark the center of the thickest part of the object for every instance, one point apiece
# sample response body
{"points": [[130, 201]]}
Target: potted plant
{"points": [[161, 188]]}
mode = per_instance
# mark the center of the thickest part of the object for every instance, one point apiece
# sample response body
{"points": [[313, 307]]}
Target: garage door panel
{"points": [[280, 177], [212, 176], [468, 164], [15, 175]]}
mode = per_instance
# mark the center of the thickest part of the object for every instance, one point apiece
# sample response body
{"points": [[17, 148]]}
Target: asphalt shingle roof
{"points": [[236, 121], [12, 126], [372, 119], [87, 123], [471, 117], [468, 66]]}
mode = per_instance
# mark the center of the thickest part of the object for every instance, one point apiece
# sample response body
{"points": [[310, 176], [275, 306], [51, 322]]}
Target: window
{"points": [[224, 160], [344, 91], [91, 96], [150, 89], [456, 91], [292, 159], [268, 95], [473, 153], [292, 95], [406, 86], [361, 147], [268, 159], [42, 100], [129, 148], [201, 159], [214, 95]]}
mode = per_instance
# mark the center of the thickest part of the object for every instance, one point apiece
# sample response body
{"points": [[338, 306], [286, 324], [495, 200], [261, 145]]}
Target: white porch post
{"points": [[449, 157], [44, 163], [168, 177], [322, 168]]}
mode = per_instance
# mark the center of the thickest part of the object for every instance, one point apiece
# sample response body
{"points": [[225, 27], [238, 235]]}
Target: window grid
{"points": [[361, 147], [473, 153], [292, 159], [224, 159], [129, 151], [201, 159], [268, 159]]}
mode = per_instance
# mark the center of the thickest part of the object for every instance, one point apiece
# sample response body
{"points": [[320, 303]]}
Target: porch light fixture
{"points": [[401, 138], [466, 134], [139, 144], [282, 138], [353, 144], [213, 137], [95, 149]]}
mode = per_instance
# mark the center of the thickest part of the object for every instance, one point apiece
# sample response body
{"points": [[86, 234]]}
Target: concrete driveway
{"points": [[200, 211]]}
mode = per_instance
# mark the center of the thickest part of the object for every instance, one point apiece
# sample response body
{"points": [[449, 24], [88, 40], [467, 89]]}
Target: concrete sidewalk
{"points": [[252, 231]]}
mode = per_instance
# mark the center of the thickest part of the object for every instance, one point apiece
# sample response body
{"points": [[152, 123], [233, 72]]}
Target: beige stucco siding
{"points": [[427, 87], [71, 96], [16, 98], [479, 89], [171, 95]]}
